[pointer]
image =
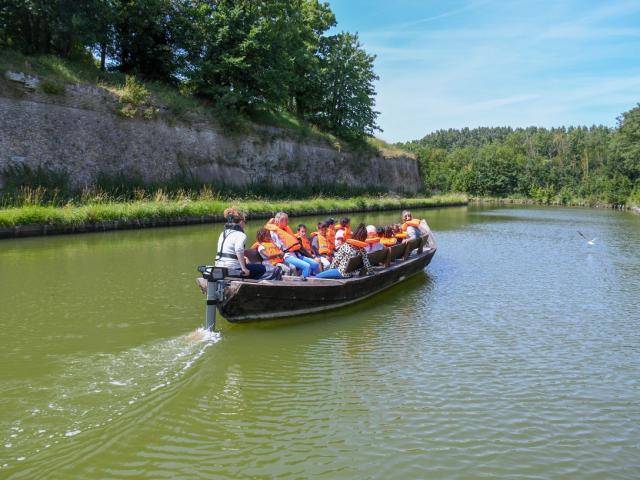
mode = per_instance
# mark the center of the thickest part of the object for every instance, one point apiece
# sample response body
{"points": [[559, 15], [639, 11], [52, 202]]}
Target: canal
{"points": [[515, 354]]}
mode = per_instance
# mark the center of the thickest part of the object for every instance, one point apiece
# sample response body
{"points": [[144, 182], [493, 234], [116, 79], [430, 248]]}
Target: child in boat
{"points": [[331, 234], [350, 248], [373, 240], [398, 233], [388, 239], [307, 249], [343, 232], [272, 256], [320, 244]]}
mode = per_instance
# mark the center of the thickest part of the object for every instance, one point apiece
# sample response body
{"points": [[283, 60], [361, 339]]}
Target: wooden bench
{"points": [[355, 264], [253, 255], [378, 257], [396, 252]]}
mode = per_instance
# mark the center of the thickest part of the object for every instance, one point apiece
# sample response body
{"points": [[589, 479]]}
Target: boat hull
{"points": [[247, 301]]}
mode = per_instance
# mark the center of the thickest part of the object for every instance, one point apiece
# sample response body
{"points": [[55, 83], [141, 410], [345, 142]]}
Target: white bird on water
{"points": [[589, 242]]}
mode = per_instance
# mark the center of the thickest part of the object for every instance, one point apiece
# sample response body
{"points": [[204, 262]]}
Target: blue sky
{"points": [[453, 64]]}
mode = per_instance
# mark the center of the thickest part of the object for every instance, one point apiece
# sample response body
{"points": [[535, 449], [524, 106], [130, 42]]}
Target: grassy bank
{"points": [[166, 208], [557, 202]]}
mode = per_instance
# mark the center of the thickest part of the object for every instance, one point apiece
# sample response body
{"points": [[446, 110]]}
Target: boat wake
{"points": [[89, 393]]}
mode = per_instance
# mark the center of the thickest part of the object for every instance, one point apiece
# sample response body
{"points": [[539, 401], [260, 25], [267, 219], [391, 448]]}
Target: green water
{"points": [[515, 355]]}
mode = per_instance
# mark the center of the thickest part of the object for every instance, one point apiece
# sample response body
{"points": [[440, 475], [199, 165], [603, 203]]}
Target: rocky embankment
{"points": [[76, 132]]}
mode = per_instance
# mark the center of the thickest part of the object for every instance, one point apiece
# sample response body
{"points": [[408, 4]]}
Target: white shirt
{"points": [[339, 238], [233, 244], [413, 232]]}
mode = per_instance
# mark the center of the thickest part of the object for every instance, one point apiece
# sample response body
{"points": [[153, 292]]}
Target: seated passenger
{"points": [[286, 241], [307, 249], [231, 246], [388, 239], [331, 234], [398, 233], [373, 240], [343, 231], [272, 256], [350, 248], [320, 244], [410, 225]]}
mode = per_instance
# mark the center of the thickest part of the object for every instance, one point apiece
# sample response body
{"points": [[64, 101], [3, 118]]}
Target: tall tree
{"points": [[346, 78]]}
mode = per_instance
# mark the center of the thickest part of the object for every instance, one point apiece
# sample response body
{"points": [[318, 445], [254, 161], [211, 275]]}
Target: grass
{"points": [[145, 99], [104, 209]]}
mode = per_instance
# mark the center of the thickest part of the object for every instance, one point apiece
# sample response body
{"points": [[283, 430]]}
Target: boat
{"points": [[245, 300]]}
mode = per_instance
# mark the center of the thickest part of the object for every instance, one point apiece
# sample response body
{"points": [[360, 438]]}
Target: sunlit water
{"points": [[515, 355]]}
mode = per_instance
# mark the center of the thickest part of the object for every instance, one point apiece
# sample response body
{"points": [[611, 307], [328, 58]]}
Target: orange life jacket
{"points": [[290, 241], [347, 231], [271, 249], [331, 236], [287, 229], [388, 242], [372, 240], [356, 243], [305, 242], [323, 244], [402, 235], [411, 223]]}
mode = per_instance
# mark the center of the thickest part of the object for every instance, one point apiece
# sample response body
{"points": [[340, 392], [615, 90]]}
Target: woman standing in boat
{"points": [[231, 246], [351, 248]]}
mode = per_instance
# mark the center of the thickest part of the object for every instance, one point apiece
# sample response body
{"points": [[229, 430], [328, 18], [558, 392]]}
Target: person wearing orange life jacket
{"points": [[331, 233], [320, 244], [301, 235], [388, 239], [343, 231], [284, 239], [410, 225], [349, 249], [373, 240], [272, 256]]}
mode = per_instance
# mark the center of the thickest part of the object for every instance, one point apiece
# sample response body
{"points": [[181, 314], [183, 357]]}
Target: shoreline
{"points": [[166, 219], [530, 201]]}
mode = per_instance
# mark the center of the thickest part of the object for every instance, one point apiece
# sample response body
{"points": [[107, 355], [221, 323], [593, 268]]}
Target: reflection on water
{"points": [[516, 354]]}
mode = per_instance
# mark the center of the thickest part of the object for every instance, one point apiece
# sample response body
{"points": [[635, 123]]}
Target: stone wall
{"points": [[79, 134]]}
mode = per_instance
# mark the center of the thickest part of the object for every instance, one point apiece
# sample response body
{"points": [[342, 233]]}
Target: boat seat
{"points": [[378, 257], [355, 264], [411, 245], [396, 252], [253, 255], [425, 243]]}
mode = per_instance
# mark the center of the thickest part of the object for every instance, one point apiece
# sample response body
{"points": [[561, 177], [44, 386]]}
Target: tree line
{"points": [[242, 55], [594, 164]]}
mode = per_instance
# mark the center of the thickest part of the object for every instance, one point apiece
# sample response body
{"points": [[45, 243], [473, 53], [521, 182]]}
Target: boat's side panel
{"points": [[255, 301]]}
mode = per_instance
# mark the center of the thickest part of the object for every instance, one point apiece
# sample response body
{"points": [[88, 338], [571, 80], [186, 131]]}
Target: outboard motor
{"points": [[215, 291]]}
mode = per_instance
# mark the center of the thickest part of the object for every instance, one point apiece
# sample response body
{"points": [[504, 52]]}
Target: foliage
{"points": [[559, 165], [97, 208], [239, 55]]}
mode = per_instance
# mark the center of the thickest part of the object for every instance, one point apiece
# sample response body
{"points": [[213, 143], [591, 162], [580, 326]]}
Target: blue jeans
{"points": [[331, 273], [304, 264]]}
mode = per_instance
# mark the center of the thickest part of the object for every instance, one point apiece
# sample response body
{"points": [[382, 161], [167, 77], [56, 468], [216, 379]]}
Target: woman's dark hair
{"points": [[345, 221], [329, 221], [302, 225], [233, 215], [388, 231], [263, 234], [379, 231], [361, 233], [322, 225]]}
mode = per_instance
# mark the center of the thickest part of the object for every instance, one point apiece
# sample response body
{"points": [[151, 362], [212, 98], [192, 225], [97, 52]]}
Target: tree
{"points": [[346, 81], [627, 144]]}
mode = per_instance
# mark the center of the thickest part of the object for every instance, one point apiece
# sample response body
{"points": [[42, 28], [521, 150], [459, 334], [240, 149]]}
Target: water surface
{"points": [[516, 354]]}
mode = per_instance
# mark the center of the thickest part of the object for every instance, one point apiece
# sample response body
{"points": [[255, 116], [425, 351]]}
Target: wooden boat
{"points": [[244, 300]]}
